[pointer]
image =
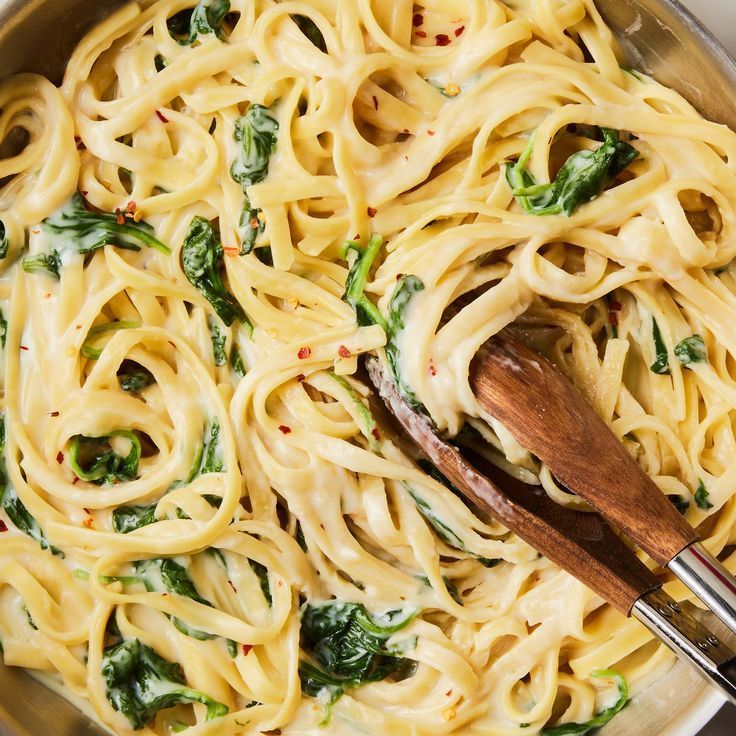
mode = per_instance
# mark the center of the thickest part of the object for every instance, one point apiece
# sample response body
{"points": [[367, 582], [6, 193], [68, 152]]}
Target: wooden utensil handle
{"points": [[579, 542], [551, 419]]}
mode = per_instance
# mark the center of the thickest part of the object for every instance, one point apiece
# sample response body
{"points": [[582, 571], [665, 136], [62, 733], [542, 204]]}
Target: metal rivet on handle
{"points": [[675, 606], [703, 645], [712, 640]]}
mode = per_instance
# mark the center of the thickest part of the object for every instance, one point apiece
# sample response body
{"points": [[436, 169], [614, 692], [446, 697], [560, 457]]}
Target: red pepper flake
{"points": [[232, 585], [76, 480], [448, 693], [417, 20], [300, 377], [54, 414], [23, 347], [375, 102], [430, 132], [615, 305], [284, 429], [432, 369], [613, 318], [173, 344], [162, 117], [254, 223], [231, 251], [88, 522], [356, 237], [246, 649], [3, 526], [441, 39], [459, 31], [343, 352], [60, 457], [87, 511], [120, 216], [372, 211], [78, 143], [304, 353], [421, 34], [376, 434], [84, 192], [407, 131]]}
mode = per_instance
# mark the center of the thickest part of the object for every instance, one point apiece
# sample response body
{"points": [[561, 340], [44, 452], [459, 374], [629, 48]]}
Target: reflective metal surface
{"points": [[676, 626], [656, 36], [709, 580]]}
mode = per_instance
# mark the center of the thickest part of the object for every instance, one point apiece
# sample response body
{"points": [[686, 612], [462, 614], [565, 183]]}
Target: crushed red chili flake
{"points": [[448, 693], [3, 526], [613, 318], [615, 305], [432, 369], [300, 377], [54, 414], [84, 192], [284, 429], [23, 347], [417, 20], [376, 434], [162, 117], [356, 237], [343, 352], [232, 585], [246, 649], [120, 216], [407, 131], [459, 31], [254, 223], [372, 211], [87, 511], [76, 480], [421, 34], [60, 457], [430, 132], [78, 143], [304, 353], [88, 522], [441, 39], [375, 102]]}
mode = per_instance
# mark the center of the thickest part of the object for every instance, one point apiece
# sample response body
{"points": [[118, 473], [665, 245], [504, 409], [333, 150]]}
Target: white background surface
{"points": [[720, 17]]}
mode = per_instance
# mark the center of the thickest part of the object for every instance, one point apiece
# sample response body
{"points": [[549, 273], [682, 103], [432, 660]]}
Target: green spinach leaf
{"points": [[218, 343], [661, 363], [256, 133], [94, 460], [140, 683], [701, 496], [94, 353], [202, 257], [580, 729], [582, 178], [4, 240], [16, 510], [691, 350], [129, 518], [43, 262], [309, 28], [405, 290], [348, 646], [133, 377], [166, 575], [206, 18]]}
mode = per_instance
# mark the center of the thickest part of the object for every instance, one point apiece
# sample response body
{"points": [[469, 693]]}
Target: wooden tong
{"points": [[551, 419]]}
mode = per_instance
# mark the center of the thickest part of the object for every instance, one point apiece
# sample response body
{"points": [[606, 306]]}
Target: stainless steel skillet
{"points": [[657, 36]]}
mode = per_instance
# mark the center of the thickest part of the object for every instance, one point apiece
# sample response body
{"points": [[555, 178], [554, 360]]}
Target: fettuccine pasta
{"points": [[207, 524]]}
